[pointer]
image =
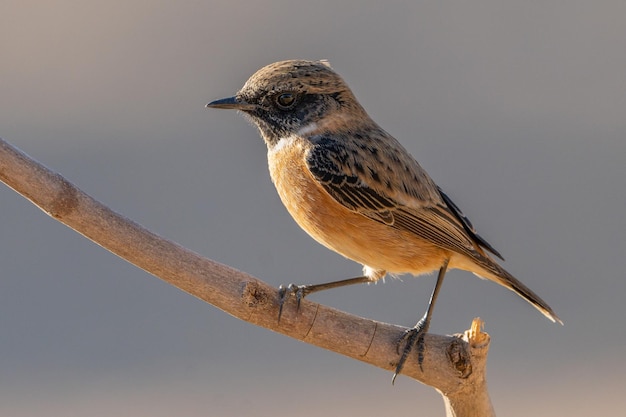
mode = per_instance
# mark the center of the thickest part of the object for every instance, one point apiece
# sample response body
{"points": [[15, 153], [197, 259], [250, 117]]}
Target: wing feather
{"points": [[412, 203]]}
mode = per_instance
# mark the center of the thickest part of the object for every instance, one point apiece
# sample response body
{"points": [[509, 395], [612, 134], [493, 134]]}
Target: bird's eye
{"points": [[286, 101]]}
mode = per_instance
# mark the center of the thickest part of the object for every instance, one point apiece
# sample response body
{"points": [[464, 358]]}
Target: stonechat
{"points": [[355, 189]]}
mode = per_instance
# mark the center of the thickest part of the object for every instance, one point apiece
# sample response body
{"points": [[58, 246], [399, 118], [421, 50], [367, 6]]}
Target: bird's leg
{"points": [[416, 334], [301, 291]]}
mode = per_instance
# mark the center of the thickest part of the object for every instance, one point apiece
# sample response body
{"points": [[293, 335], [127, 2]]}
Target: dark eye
{"points": [[286, 101]]}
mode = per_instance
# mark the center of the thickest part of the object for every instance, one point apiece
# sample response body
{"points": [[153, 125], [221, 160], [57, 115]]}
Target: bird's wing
{"points": [[398, 193]]}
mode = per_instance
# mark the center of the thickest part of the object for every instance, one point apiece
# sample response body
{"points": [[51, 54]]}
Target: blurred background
{"points": [[516, 109]]}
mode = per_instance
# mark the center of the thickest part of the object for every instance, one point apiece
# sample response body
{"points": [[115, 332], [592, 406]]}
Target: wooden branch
{"points": [[454, 365]]}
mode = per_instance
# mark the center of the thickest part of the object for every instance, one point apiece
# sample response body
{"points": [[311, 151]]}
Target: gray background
{"points": [[517, 109]]}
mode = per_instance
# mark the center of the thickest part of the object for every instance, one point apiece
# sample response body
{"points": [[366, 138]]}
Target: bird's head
{"points": [[292, 98]]}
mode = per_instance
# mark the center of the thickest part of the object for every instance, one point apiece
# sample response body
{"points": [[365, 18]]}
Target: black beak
{"points": [[231, 103]]}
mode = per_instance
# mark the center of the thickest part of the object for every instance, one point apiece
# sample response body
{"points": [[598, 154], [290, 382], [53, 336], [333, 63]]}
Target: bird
{"points": [[356, 190]]}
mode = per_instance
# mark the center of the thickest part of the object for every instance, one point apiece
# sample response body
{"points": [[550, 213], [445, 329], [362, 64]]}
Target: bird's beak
{"points": [[231, 103]]}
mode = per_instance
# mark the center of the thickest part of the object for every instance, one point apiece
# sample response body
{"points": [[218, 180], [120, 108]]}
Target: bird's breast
{"points": [[302, 195]]}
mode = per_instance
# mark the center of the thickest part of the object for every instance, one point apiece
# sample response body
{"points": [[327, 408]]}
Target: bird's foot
{"points": [[412, 337], [299, 291]]}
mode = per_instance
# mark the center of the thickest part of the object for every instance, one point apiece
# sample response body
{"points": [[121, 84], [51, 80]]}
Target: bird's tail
{"points": [[489, 269]]}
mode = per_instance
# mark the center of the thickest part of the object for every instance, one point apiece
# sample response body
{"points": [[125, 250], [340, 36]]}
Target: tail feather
{"points": [[489, 269], [507, 280]]}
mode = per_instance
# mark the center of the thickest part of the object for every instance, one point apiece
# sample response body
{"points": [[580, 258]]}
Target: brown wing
{"points": [[400, 194]]}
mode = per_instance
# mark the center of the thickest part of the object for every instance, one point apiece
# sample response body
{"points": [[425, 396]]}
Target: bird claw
{"points": [[413, 336], [299, 291]]}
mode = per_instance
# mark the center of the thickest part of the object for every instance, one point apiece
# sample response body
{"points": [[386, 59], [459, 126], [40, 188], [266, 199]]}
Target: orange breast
{"points": [[351, 234]]}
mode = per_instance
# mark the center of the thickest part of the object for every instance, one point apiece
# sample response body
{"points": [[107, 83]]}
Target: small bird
{"points": [[356, 190]]}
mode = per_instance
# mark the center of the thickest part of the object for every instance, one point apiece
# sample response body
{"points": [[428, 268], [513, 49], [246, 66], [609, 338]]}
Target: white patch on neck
{"points": [[291, 139], [282, 143], [305, 130]]}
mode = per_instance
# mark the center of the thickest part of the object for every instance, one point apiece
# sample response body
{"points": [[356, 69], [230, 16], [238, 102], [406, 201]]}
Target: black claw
{"points": [[282, 291], [299, 291], [413, 336]]}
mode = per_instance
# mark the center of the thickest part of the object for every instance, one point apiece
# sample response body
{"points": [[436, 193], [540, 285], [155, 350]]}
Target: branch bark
{"points": [[453, 365]]}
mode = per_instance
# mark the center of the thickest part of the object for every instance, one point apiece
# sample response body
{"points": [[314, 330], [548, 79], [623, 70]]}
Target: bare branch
{"points": [[454, 365]]}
